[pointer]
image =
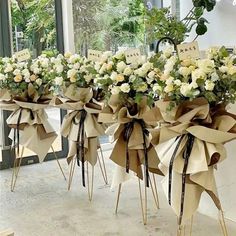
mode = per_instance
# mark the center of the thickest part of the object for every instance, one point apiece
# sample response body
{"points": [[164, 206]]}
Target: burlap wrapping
{"points": [[211, 127], [35, 131], [75, 101], [135, 144]]}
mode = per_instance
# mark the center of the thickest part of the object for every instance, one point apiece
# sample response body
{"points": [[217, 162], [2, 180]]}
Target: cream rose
{"points": [[206, 65], [18, 78], [209, 85], [121, 67], [125, 88], [115, 90], [59, 81]]}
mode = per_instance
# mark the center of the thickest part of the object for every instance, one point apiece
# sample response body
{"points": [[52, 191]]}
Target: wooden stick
{"points": [[72, 171], [118, 198], [58, 163], [90, 190], [103, 174], [16, 169], [141, 201], [155, 186], [104, 166], [222, 223]]}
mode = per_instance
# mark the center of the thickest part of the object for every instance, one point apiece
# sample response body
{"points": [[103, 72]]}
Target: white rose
{"points": [[73, 58], [59, 68], [36, 70], [115, 90], [169, 65], [140, 72], [177, 82], [232, 70], [121, 66], [142, 87], [83, 69], [151, 75], [132, 78], [224, 69], [206, 65], [147, 66], [76, 66], [125, 88], [88, 78], [39, 82], [156, 88], [59, 81], [169, 88], [128, 71], [184, 71], [169, 81], [45, 63], [8, 68], [103, 68], [71, 73], [214, 77], [113, 75], [194, 85], [27, 80], [185, 89], [2, 77], [168, 51], [97, 66], [198, 74], [16, 72], [209, 85]]}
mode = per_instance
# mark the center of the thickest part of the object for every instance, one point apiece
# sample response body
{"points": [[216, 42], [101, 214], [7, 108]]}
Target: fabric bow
{"points": [[189, 146]]}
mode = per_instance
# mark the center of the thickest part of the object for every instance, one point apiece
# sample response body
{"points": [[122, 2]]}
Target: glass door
{"points": [[35, 25]]}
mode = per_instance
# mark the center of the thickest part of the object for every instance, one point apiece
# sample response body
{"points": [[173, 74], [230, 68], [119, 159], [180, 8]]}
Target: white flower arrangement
{"points": [[26, 80], [213, 78], [130, 81], [71, 69]]}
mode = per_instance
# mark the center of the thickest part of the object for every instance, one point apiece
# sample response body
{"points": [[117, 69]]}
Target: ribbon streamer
{"points": [[129, 127]]}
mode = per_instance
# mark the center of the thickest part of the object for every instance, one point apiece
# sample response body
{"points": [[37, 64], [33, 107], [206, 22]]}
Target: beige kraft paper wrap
{"points": [[76, 101], [136, 141], [36, 133], [211, 127]]}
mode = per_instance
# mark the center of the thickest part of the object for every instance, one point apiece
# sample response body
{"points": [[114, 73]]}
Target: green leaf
{"points": [[201, 29]]}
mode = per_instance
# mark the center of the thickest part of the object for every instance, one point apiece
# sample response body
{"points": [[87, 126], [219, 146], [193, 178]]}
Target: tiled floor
{"points": [[42, 206]]}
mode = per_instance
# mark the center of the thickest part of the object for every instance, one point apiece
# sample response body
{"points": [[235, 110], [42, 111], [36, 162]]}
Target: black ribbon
{"points": [[80, 143], [129, 127], [186, 156]]}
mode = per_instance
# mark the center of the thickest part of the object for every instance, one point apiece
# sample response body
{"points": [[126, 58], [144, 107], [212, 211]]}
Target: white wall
{"points": [[222, 31], [222, 27]]}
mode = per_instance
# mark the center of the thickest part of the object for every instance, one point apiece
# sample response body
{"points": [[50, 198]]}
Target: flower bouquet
{"points": [[194, 95], [128, 89], [25, 90], [72, 86]]}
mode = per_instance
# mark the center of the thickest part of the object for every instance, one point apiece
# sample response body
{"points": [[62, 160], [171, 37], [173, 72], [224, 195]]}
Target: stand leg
{"points": [[118, 198], [16, 169], [58, 163], [155, 187], [103, 166], [72, 171], [103, 174], [222, 223], [143, 205], [90, 190], [155, 196]]}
